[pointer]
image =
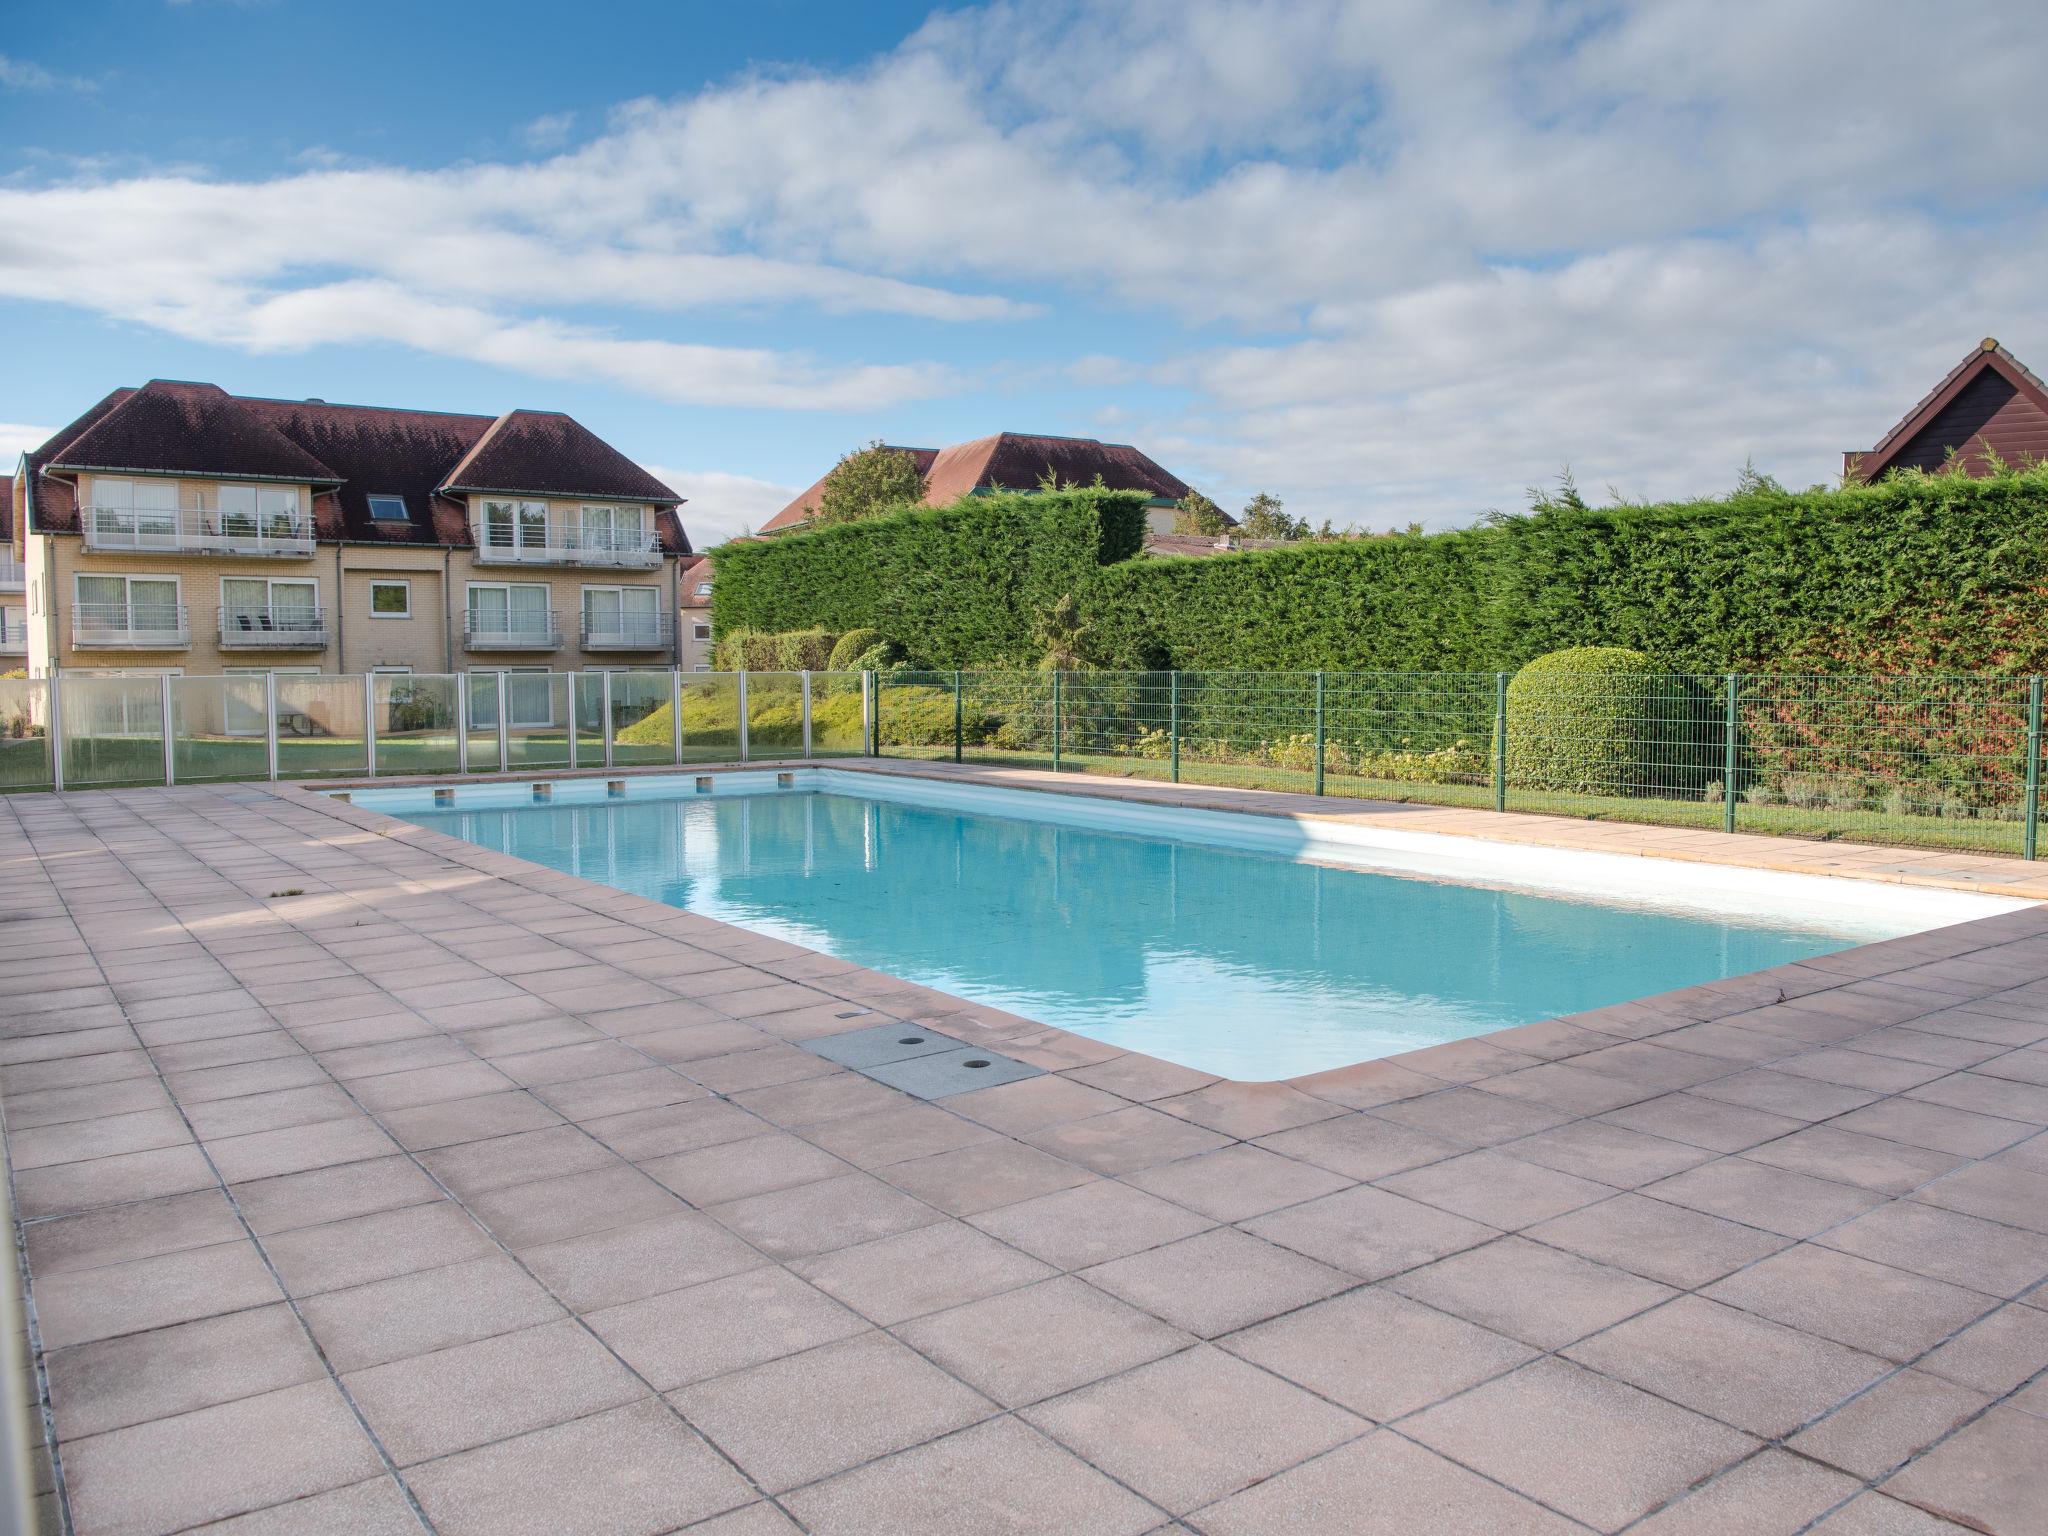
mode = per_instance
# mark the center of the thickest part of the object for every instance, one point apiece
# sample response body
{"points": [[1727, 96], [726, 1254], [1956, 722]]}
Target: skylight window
{"points": [[387, 509]]}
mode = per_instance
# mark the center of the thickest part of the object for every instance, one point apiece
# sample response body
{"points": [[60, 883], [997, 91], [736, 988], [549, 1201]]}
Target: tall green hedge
{"points": [[1925, 573], [961, 585]]}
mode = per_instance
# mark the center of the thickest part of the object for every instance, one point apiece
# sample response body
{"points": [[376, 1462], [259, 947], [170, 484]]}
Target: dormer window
{"points": [[388, 509]]}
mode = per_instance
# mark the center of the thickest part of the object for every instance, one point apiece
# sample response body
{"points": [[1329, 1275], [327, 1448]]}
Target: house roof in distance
{"points": [[552, 454], [1013, 461], [1989, 399]]}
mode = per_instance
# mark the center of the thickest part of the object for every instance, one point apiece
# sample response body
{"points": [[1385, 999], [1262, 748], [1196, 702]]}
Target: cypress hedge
{"points": [[963, 585]]}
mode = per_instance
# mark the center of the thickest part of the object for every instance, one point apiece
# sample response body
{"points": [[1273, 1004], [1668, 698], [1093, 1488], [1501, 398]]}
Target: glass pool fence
{"points": [[1919, 761]]}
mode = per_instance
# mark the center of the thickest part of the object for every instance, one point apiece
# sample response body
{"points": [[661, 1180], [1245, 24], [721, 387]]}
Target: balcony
{"points": [[273, 629], [560, 545], [631, 632], [13, 638], [12, 577], [279, 536], [129, 627], [538, 631]]}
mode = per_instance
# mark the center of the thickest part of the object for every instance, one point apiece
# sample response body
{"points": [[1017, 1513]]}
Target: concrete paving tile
{"points": [[1566, 1087], [1771, 1494], [620, 1264], [926, 1270], [1142, 1078], [1245, 1110], [984, 1176], [649, 1133], [1370, 1232], [896, 1134], [266, 1154], [1838, 1296], [820, 1217], [66, 1187], [1874, 1514], [1537, 1294], [810, 1101], [1658, 1241], [1499, 1190], [595, 1098], [763, 1067], [454, 1399], [83, 1305], [1702, 1122], [138, 1231], [167, 1371], [233, 1081], [1593, 1448], [1608, 1154], [1032, 1104], [746, 1319], [332, 1194], [278, 1110], [1379, 1486], [1985, 1095], [361, 1249], [78, 1140], [426, 1310], [802, 1417], [1090, 1224], [429, 1085], [1991, 1475], [1849, 1067], [2001, 1192], [427, 1126], [407, 1052], [1847, 1157], [1737, 1368], [375, 1508], [229, 1459], [1874, 1433], [1020, 1346], [590, 1056], [1236, 1182], [1759, 1195], [1946, 1245], [477, 1167], [1193, 1428], [659, 1477], [1996, 1354], [1377, 1353], [1218, 1281], [733, 1170], [57, 1106], [1467, 1116], [547, 1210], [1126, 1140], [996, 1479], [1935, 1126]]}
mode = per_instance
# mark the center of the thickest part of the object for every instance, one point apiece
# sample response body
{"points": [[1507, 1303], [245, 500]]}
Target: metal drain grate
{"points": [[921, 1062]]}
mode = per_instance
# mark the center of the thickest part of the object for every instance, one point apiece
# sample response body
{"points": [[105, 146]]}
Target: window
{"points": [[613, 528], [251, 605], [516, 524], [250, 510], [529, 697], [127, 603], [390, 599], [628, 615], [511, 609], [14, 625], [35, 596], [135, 512], [700, 631], [703, 589], [387, 509], [391, 671]]}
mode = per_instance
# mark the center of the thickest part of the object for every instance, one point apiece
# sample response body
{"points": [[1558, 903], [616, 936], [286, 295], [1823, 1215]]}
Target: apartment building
{"points": [[179, 529]]}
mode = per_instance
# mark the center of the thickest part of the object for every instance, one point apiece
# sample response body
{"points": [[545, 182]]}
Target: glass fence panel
{"points": [[480, 691], [711, 717], [643, 720], [775, 714], [586, 701], [835, 715], [415, 716], [537, 719], [218, 727], [320, 727], [24, 733], [113, 730]]}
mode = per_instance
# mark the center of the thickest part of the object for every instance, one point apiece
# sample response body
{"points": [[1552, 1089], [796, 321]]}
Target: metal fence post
{"points": [[2027, 837], [1319, 733], [461, 682], [1173, 720], [743, 715], [574, 678], [807, 712], [1728, 758], [1055, 722], [55, 732], [504, 735], [604, 715], [270, 720], [870, 707], [675, 712], [170, 755], [956, 714], [370, 723], [1500, 741]]}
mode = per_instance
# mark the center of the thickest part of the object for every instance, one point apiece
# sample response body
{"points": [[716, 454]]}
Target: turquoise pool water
{"points": [[1243, 961]]}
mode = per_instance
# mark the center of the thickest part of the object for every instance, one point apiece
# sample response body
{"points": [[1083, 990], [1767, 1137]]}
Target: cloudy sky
{"points": [[1388, 259]]}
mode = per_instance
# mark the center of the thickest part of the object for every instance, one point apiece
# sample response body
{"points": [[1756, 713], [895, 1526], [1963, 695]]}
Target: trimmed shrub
{"points": [[1604, 720], [962, 586], [804, 650], [855, 642]]}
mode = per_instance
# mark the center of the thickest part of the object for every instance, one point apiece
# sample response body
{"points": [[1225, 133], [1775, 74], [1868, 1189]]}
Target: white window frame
{"points": [[703, 589], [373, 497], [700, 631], [128, 580], [271, 583], [396, 581]]}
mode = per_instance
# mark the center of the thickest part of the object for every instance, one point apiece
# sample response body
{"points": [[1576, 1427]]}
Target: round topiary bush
{"points": [[854, 643], [1603, 720]]}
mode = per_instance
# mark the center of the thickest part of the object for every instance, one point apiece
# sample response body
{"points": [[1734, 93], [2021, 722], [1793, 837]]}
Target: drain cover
{"points": [[882, 1043], [955, 1071]]}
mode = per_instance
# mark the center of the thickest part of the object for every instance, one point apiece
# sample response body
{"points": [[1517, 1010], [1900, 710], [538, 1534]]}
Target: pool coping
{"points": [[1356, 1084]]}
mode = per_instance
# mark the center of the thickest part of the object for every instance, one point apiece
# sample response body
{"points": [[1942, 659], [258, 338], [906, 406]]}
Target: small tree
{"points": [[1196, 515], [867, 481], [1265, 518]]}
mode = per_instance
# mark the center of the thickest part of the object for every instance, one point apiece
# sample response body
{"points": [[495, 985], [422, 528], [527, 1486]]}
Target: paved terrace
{"points": [[373, 1182]]}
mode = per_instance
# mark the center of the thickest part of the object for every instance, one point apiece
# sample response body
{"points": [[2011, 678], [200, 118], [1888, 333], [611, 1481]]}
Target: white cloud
{"points": [[16, 439], [718, 505], [21, 75], [549, 132]]}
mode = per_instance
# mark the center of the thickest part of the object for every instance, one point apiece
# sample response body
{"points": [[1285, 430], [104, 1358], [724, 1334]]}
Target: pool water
{"points": [[1250, 962]]}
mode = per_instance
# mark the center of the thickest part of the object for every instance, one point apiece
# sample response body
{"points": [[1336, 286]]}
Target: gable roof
{"points": [[1014, 461], [1990, 397], [547, 453], [169, 427]]}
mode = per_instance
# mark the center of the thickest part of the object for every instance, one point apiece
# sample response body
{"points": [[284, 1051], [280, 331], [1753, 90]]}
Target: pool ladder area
{"points": [[614, 789]]}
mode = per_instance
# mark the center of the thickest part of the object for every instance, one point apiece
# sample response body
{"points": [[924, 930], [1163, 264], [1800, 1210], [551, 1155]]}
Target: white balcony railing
{"points": [[130, 626], [13, 638], [272, 629], [12, 577], [188, 532], [538, 631], [628, 632], [563, 545]]}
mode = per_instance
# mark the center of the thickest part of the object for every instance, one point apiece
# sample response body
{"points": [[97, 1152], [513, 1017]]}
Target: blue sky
{"points": [[1389, 260]]}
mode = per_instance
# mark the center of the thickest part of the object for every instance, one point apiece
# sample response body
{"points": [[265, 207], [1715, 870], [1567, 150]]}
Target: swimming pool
{"points": [[1253, 947]]}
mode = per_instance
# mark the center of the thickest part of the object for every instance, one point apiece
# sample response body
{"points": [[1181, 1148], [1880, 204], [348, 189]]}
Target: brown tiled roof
{"points": [[549, 454], [2019, 429], [687, 578], [359, 451], [1015, 461]]}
